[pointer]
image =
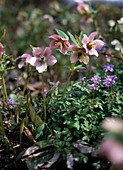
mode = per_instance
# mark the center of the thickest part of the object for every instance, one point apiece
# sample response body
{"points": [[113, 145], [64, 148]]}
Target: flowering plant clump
{"points": [[96, 79], [108, 67], [109, 80]]}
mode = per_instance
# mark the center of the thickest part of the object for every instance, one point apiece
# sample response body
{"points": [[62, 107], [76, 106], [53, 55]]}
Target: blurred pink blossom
{"points": [[48, 17], [82, 7], [1, 49], [28, 57], [112, 150], [59, 42], [91, 45], [42, 58]]}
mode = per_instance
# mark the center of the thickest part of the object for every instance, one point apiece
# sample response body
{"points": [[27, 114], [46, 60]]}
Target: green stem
{"points": [[21, 101], [96, 25], [44, 104], [6, 96], [68, 79]]}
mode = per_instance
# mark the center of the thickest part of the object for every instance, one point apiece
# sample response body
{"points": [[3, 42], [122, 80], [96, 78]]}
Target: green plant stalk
{"points": [[3, 131], [24, 89], [96, 25], [6, 96], [44, 103], [68, 79]]}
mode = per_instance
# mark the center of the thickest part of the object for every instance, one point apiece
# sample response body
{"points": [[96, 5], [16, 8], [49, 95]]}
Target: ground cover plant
{"points": [[71, 120]]}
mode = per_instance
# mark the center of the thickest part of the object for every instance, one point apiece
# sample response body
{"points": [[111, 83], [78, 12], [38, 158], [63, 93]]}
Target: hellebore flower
{"points": [[42, 58], [1, 49], [112, 150], [52, 84], [45, 92], [91, 45], [82, 7], [109, 80], [59, 42], [96, 79], [108, 67], [28, 57], [90, 86], [78, 54]]}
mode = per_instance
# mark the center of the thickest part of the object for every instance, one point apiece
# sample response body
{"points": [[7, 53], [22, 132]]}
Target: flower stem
{"points": [[68, 79], [6, 96], [44, 104], [93, 97], [21, 101]]}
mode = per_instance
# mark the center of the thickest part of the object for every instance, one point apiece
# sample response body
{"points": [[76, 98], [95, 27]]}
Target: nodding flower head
{"points": [[91, 45], [59, 42]]}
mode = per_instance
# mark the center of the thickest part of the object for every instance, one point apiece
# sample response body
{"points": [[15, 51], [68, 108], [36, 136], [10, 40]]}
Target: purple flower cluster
{"points": [[101, 49], [109, 80], [108, 67]]}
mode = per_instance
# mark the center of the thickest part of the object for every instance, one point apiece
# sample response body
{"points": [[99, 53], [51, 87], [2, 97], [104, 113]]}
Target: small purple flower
{"points": [[90, 86], [45, 92], [52, 84], [11, 102], [82, 79], [96, 79], [109, 80], [108, 67]]}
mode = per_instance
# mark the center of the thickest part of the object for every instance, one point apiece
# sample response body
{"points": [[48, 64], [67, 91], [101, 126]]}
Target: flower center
{"points": [[79, 54], [90, 45], [42, 58], [110, 79], [58, 44], [92, 85], [108, 67], [109, 82], [95, 78]]}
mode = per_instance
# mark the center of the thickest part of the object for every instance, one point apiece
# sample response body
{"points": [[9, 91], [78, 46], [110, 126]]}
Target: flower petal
{"points": [[42, 68], [1, 49], [37, 51], [21, 64], [53, 44], [74, 57], [85, 39], [92, 35], [55, 36], [51, 60], [47, 52], [93, 52], [84, 59], [32, 61], [98, 44]]}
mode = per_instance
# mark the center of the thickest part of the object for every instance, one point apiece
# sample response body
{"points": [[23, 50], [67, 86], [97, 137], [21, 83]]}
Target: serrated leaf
{"points": [[72, 38], [62, 34]]}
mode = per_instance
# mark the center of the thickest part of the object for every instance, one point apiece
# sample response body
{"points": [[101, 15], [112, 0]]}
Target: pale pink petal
{"points": [[92, 35], [1, 49], [47, 52], [42, 68], [64, 49], [73, 47], [86, 49], [85, 39], [74, 57], [53, 44], [84, 59], [21, 64], [51, 60], [93, 52], [99, 44], [28, 58], [32, 61], [55, 36], [37, 51]]}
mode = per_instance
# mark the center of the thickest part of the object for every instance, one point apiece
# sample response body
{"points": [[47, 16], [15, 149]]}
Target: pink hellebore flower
{"points": [[28, 57], [59, 42], [1, 49], [42, 58], [91, 45], [83, 8], [78, 54]]}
